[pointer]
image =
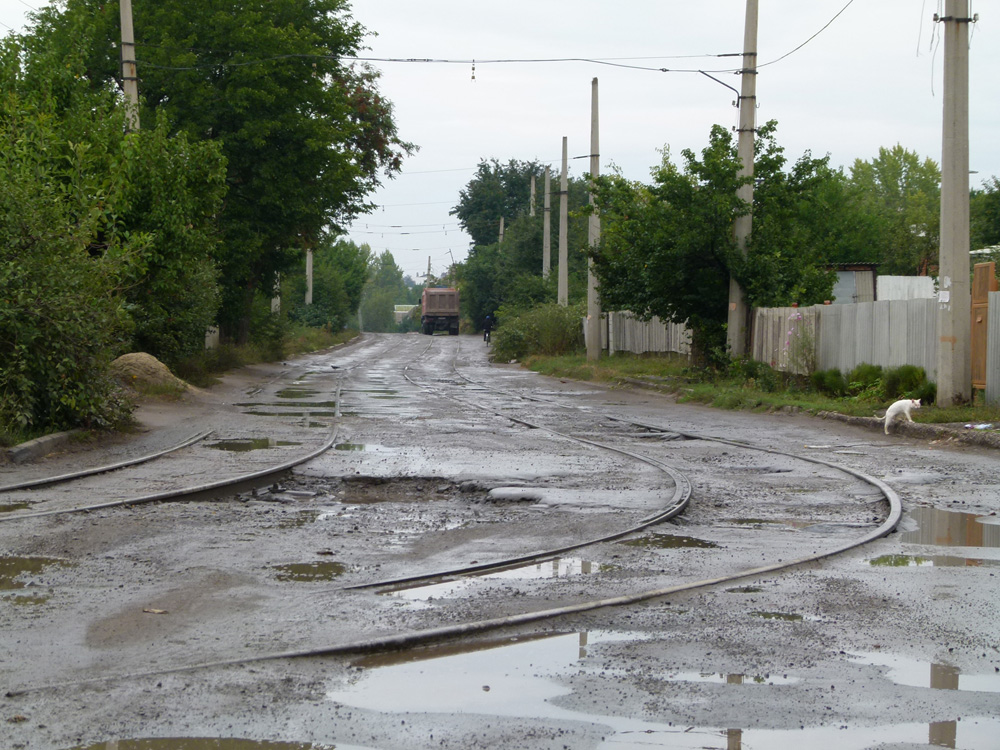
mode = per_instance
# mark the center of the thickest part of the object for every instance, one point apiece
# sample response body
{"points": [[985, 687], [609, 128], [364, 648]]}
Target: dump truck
{"points": [[439, 310]]}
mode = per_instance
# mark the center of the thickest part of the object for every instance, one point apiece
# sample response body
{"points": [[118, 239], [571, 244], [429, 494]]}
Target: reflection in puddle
{"points": [[370, 447], [313, 571], [206, 743], [939, 561], [296, 393], [949, 528], [922, 674], [786, 616], [243, 445], [669, 541], [559, 567], [13, 570], [520, 678], [14, 506]]}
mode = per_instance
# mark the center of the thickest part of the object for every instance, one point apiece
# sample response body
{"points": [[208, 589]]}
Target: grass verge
{"points": [[745, 388]]}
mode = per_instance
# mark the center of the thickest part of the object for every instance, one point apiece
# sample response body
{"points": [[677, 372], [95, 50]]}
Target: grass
{"points": [[738, 390]]}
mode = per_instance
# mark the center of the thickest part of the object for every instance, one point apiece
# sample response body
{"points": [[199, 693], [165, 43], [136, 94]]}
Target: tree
{"points": [[497, 190], [385, 290], [340, 272], [305, 137], [904, 193], [985, 215], [510, 274], [668, 249]]}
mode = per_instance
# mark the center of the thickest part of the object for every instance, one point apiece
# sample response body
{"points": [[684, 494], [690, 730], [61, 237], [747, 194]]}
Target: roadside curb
{"points": [[35, 449], [920, 430]]}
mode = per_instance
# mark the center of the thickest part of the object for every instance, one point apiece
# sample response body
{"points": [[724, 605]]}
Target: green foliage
{"points": [[903, 193], [305, 137], [899, 382], [984, 212], [546, 329], [754, 374], [61, 314], [510, 274], [831, 382], [385, 290], [340, 272], [865, 377]]}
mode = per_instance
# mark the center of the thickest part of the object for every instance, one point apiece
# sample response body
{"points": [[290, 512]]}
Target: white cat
{"points": [[904, 407]]}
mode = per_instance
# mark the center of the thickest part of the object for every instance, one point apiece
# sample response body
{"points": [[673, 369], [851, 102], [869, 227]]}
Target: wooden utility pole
{"points": [[739, 313], [130, 79], [562, 295], [547, 227], [593, 236], [954, 368]]}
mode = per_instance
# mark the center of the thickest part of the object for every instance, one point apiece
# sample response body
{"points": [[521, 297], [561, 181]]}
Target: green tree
{"points": [[340, 272], [385, 290], [668, 249], [904, 193], [305, 137], [984, 212], [497, 190]]}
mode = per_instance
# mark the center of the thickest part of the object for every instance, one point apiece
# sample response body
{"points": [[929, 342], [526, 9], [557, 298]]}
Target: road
{"points": [[255, 615]]}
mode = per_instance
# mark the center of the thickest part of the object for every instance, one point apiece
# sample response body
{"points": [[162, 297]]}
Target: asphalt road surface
{"points": [[261, 617]]}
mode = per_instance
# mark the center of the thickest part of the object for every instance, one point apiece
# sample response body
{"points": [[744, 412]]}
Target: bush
{"points": [[546, 329], [865, 377], [831, 382], [755, 374], [904, 381]]}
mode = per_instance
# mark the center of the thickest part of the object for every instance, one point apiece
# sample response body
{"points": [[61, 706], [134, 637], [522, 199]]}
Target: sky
{"points": [[841, 77]]}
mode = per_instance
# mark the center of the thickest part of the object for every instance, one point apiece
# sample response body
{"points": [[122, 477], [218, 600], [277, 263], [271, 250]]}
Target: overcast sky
{"points": [[871, 78]]}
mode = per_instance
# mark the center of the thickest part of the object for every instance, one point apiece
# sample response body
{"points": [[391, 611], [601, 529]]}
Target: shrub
{"points": [[755, 374], [904, 381], [546, 329], [865, 378], [830, 381]]}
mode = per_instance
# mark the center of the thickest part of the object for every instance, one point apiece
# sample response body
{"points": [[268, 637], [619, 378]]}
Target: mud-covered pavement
{"points": [[154, 626]]}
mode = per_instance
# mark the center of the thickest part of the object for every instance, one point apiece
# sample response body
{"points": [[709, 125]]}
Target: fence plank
{"points": [[993, 350]]}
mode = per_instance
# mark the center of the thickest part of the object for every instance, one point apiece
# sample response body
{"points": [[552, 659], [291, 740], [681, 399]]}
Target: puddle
{"points": [[940, 561], [786, 616], [255, 413], [208, 743], [296, 393], [794, 523], [949, 528], [306, 572], [14, 570], [560, 567], [244, 445], [289, 405], [521, 678], [370, 447], [937, 676], [14, 506], [669, 541]]}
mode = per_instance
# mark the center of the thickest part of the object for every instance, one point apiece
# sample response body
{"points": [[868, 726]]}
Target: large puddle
{"points": [[949, 528], [520, 678], [560, 567], [209, 743]]}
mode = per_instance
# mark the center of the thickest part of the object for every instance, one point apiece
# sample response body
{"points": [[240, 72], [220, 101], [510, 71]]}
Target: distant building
{"points": [[402, 312], [855, 283]]}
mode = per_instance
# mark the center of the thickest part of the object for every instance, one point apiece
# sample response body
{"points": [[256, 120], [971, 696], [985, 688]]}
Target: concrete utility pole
{"points": [[531, 206], [562, 295], [593, 237], [954, 369], [501, 230], [309, 276], [739, 313], [130, 79], [547, 227]]}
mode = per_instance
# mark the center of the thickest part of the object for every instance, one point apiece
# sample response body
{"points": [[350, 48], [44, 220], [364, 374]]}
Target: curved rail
{"points": [[45, 481]]}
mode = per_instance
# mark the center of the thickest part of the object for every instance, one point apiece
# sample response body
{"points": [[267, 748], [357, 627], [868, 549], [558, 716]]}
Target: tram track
{"points": [[677, 503]]}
